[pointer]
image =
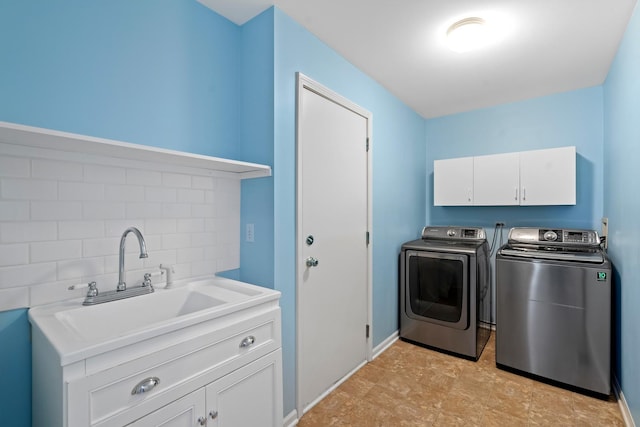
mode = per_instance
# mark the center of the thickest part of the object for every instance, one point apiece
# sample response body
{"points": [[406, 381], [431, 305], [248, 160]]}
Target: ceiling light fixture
{"points": [[468, 34]]}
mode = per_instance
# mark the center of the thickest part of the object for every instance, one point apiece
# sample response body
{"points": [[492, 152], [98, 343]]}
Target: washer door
{"points": [[437, 288]]}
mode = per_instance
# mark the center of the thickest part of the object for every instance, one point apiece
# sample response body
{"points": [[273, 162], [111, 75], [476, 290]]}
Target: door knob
{"points": [[311, 262]]}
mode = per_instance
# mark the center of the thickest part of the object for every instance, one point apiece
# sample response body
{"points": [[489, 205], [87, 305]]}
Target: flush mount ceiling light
{"points": [[468, 34]]}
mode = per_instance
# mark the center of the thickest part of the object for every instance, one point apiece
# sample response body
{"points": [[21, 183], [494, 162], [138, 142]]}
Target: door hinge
{"points": [[367, 331], [367, 238], [367, 143]]}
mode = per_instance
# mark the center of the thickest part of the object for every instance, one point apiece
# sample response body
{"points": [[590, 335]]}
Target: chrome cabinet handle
{"points": [[516, 197], [145, 385], [311, 262], [213, 414], [202, 421], [248, 341]]}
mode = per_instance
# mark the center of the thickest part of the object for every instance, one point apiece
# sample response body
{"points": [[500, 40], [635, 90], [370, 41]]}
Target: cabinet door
{"points": [[453, 182], [248, 397], [496, 180], [188, 411], [548, 177]]}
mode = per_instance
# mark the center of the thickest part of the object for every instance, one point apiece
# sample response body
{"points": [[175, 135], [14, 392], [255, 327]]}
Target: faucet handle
{"points": [[147, 280], [93, 288]]}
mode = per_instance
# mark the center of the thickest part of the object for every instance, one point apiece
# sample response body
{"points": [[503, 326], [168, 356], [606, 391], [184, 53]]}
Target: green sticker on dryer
{"points": [[602, 276]]}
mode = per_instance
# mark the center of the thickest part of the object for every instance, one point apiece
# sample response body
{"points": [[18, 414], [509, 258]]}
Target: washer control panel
{"points": [[554, 236]]}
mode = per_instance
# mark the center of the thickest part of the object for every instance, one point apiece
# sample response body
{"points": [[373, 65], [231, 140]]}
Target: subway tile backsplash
{"points": [[61, 222]]}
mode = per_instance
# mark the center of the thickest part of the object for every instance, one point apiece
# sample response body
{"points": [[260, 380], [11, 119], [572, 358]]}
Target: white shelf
{"points": [[28, 136]]}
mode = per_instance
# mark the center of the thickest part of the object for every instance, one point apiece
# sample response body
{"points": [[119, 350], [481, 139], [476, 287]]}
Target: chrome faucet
{"points": [[143, 254]]}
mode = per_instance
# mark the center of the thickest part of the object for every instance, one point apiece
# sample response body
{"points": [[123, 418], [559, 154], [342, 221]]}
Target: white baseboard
{"points": [[291, 419], [384, 345], [624, 408]]}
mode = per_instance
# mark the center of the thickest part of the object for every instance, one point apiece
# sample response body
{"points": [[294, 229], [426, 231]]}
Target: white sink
{"points": [[78, 331], [122, 317]]}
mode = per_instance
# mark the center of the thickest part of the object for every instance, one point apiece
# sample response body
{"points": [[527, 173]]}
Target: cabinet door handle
{"points": [[213, 414], [524, 193], [202, 421], [145, 385], [516, 197], [248, 341]]}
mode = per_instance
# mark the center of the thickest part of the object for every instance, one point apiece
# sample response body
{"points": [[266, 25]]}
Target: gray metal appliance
{"points": [[444, 290], [554, 307]]}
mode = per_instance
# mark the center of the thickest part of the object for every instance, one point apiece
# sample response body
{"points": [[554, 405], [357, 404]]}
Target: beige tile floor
{"points": [[409, 385]]}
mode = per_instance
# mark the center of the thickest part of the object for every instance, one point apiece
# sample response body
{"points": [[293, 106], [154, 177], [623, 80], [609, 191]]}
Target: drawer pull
{"points": [[145, 385], [248, 341]]}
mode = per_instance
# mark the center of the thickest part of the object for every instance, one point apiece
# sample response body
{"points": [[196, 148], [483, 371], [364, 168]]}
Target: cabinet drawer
{"points": [[178, 369]]}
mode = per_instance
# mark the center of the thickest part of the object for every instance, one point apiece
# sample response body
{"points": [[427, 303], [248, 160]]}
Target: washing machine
{"points": [[553, 317], [445, 297]]}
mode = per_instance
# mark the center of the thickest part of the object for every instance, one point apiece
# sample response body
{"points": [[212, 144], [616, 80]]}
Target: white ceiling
{"points": [[551, 46]]}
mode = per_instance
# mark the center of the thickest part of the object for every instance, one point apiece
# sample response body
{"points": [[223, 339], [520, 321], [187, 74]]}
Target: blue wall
{"points": [[572, 118], [164, 73], [622, 204], [398, 176], [257, 258], [156, 72], [15, 369]]}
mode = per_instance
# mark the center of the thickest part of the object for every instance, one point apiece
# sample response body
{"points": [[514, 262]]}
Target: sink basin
{"points": [[125, 316], [78, 331]]}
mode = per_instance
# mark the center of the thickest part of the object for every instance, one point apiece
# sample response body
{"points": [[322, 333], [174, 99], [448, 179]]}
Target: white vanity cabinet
{"points": [[453, 182], [220, 367], [245, 397]]}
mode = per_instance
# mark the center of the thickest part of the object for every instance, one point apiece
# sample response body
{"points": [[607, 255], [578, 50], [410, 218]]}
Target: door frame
{"points": [[305, 83]]}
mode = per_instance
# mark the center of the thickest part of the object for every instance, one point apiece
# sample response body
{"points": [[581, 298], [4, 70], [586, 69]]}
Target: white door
{"points": [[332, 225], [496, 180], [249, 396], [548, 177], [453, 182]]}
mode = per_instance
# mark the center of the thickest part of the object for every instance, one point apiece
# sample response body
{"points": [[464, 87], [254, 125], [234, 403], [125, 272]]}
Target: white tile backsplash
{"points": [[55, 210], [80, 229], [56, 250], [124, 193], [80, 191], [31, 231], [28, 189], [15, 167], [61, 220], [13, 298], [104, 174], [14, 211], [143, 177], [202, 182], [177, 180], [16, 254], [56, 170]]}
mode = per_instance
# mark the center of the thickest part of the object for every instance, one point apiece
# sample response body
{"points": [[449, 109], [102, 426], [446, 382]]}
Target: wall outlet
{"points": [[605, 232], [250, 233]]}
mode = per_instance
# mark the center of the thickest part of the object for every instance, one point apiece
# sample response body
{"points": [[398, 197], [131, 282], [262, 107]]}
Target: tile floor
{"points": [[409, 385]]}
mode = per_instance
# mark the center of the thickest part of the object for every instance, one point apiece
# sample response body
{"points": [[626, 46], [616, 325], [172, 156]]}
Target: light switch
{"points": [[249, 235]]}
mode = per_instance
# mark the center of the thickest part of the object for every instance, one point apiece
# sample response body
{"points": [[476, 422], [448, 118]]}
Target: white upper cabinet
{"points": [[496, 180], [527, 178], [548, 177], [453, 182]]}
